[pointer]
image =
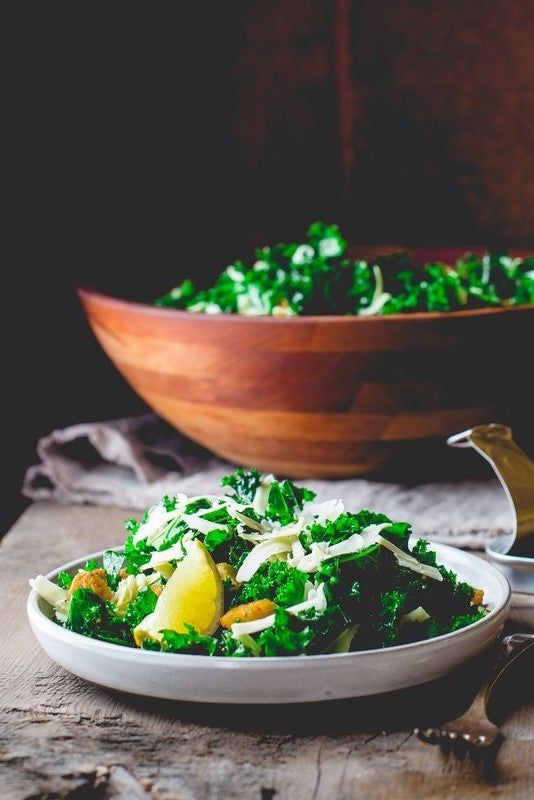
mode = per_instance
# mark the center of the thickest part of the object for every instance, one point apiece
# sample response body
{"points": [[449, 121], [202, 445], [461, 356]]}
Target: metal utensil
{"points": [[473, 730], [515, 471]]}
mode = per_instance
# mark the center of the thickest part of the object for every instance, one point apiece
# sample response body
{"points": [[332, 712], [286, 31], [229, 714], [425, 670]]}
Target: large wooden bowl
{"points": [[311, 397]]}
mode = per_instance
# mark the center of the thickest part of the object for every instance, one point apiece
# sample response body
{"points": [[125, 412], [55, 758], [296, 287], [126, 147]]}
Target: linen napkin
{"points": [[133, 461]]}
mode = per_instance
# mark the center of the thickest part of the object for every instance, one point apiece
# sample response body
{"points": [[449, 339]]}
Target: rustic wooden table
{"points": [[61, 737]]}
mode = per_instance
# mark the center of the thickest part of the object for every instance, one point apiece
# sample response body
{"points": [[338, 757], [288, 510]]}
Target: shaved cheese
{"points": [[406, 560], [380, 297], [290, 531], [127, 590], [235, 274], [316, 599], [254, 626], [197, 523], [215, 505], [53, 594], [158, 517], [261, 497], [326, 511], [248, 521], [417, 615], [247, 640], [166, 569], [49, 591], [262, 552], [174, 553], [297, 552], [311, 561], [322, 551], [376, 306], [304, 254], [355, 543], [252, 302], [342, 643]]}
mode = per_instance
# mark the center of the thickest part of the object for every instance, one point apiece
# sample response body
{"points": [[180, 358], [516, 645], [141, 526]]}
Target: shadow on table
{"points": [[420, 706]]}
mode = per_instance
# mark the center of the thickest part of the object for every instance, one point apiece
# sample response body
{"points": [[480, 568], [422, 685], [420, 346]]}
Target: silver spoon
{"points": [[515, 471]]}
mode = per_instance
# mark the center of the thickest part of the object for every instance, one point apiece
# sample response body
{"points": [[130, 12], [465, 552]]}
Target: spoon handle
{"points": [[515, 471]]}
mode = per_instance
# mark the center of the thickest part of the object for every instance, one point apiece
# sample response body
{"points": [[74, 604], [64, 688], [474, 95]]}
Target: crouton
{"points": [[95, 580], [247, 612]]}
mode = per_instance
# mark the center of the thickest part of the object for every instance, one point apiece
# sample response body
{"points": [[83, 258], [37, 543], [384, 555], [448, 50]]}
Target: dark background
{"points": [[149, 143]]}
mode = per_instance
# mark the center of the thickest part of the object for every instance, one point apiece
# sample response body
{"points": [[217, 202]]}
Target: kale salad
{"points": [[265, 569], [317, 276]]}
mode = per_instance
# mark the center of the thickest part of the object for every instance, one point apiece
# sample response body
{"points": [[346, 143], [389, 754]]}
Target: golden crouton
{"points": [[478, 597], [247, 612], [95, 580]]}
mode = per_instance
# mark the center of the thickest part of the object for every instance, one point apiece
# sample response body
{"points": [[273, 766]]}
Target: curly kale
{"points": [[94, 617], [243, 484], [318, 276], [276, 581], [379, 590]]}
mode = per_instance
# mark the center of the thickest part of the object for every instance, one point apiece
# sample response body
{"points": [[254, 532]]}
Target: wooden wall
{"points": [[156, 142], [443, 128]]}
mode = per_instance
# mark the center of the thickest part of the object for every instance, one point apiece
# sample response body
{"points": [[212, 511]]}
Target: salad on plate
{"points": [[265, 569]]}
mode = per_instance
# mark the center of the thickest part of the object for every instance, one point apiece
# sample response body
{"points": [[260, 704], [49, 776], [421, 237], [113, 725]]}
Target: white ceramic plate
{"points": [[289, 679]]}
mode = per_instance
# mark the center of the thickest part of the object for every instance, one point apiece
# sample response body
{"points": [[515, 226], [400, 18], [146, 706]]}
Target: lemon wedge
{"points": [[193, 595]]}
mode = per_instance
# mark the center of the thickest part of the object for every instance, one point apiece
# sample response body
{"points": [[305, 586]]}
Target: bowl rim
{"points": [[91, 293]]}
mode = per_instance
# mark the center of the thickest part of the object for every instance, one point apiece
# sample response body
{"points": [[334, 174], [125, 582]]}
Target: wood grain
{"points": [[318, 396], [63, 738], [426, 105]]}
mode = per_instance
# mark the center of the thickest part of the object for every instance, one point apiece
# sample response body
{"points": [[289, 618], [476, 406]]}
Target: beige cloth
{"points": [[134, 461]]}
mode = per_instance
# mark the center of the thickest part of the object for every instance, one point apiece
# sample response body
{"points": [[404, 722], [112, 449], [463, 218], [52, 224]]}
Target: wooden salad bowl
{"points": [[320, 396]]}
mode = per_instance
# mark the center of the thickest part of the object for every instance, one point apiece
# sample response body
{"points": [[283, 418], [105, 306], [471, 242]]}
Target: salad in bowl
{"points": [[262, 570]]}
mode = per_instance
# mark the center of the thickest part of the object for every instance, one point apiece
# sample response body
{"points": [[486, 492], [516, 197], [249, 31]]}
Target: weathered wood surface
{"points": [[61, 737]]}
